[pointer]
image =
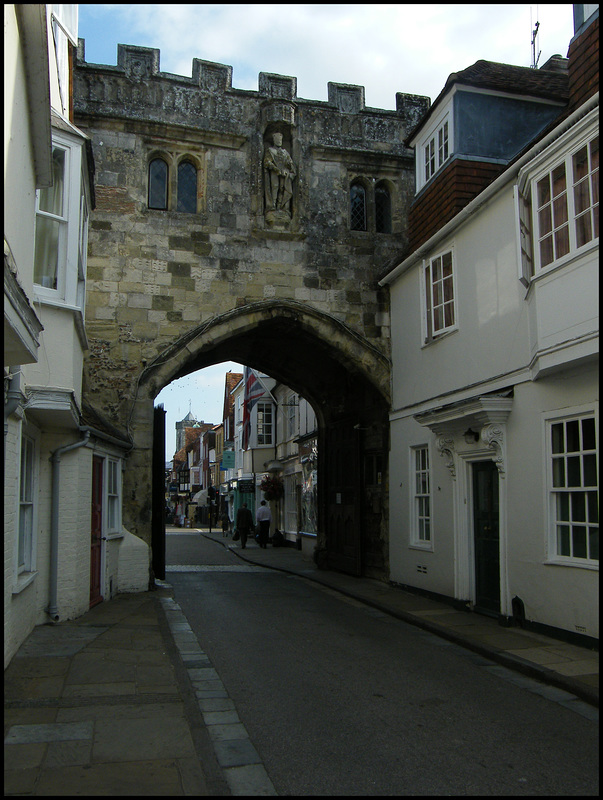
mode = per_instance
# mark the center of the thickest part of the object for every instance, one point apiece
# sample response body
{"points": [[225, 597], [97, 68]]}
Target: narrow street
{"points": [[339, 698]]}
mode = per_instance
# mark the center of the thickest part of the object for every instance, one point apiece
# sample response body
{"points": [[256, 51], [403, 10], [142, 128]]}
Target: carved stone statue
{"points": [[279, 172]]}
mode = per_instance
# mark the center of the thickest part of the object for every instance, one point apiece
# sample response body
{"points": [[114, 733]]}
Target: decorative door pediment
{"points": [[470, 427]]}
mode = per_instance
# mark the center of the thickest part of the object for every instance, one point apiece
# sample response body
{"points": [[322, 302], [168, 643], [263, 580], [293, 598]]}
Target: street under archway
{"points": [[345, 380]]}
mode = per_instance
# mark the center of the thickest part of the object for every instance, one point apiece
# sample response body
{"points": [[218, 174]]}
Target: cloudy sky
{"points": [[386, 48]]}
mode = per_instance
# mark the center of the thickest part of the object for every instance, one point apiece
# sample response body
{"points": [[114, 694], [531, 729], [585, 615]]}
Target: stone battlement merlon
{"points": [[139, 64]]}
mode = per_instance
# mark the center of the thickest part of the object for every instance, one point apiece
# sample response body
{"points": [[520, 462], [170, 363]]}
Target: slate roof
{"points": [[545, 84]]}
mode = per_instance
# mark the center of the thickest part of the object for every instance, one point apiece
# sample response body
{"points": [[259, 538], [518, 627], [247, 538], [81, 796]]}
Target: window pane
{"points": [[46, 257], [158, 173], [559, 184], [580, 164], [593, 543], [558, 472], [590, 470], [562, 245], [357, 208], [573, 471], [383, 214], [581, 196], [187, 188], [449, 314], [544, 192], [578, 507], [558, 437], [438, 320], [593, 506], [545, 222], [584, 232], [560, 211], [579, 542], [546, 251], [573, 436], [563, 507], [594, 153], [563, 540], [51, 198]]}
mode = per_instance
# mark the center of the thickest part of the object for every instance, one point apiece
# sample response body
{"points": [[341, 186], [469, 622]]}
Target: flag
{"points": [[253, 391]]}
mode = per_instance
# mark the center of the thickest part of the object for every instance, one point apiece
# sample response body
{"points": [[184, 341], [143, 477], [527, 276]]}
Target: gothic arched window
{"points": [[383, 209], [187, 188], [158, 184], [357, 207]]}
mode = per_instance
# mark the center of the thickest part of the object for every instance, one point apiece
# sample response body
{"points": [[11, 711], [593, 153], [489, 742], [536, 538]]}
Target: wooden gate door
{"points": [[96, 529], [343, 513], [158, 502], [486, 537]]}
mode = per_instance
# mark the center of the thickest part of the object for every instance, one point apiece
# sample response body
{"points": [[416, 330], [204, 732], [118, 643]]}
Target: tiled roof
{"points": [[544, 83]]}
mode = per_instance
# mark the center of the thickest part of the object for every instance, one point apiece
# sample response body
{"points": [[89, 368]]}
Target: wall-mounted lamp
{"points": [[471, 437]]}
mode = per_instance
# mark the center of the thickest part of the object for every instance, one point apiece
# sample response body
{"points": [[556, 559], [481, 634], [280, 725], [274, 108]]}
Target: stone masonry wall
{"points": [[156, 275]]}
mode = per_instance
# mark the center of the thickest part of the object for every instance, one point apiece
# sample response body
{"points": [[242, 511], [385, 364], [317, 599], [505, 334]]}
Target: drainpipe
{"points": [[13, 399], [55, 460]]}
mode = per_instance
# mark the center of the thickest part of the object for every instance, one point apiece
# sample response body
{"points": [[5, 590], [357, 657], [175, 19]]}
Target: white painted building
{"points": [[494, 421], [64, 545]]}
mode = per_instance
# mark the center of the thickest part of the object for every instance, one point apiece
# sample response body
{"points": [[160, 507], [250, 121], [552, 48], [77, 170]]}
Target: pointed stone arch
{"points": [[344, 377]]}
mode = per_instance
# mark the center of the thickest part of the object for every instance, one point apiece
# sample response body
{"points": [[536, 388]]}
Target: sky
{"points": [[386, 48]]}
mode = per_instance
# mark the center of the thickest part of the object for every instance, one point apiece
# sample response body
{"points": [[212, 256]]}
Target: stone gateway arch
{"points": [[246, 226]]}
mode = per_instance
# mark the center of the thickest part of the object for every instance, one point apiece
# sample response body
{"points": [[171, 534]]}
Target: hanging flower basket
{"points": [[272, 487]]}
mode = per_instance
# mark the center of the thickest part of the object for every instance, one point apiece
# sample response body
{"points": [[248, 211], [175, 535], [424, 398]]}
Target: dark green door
{"points": [[486, 536]]}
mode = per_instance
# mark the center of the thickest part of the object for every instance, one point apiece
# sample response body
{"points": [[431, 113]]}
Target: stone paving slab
{"points": [[100, 709]]}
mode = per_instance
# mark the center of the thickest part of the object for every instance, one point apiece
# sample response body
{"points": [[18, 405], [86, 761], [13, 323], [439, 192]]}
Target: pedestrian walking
{"points": [[264, 518], [244, 524], [225, 523]]}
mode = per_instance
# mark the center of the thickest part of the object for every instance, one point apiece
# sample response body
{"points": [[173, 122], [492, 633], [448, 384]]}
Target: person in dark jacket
{"points": [[244, 524]]}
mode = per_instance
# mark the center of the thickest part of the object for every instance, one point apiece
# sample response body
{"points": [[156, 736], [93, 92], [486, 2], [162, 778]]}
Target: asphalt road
{"points": [[341, 699]]}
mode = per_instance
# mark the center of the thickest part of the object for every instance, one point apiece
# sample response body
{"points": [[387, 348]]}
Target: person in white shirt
{"points": [[263, 518]]}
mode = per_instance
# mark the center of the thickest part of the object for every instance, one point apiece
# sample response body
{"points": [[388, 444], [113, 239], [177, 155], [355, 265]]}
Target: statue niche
{"points": [[279, 174]]}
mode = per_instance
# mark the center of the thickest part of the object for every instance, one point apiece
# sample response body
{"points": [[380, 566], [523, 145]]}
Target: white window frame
{"points": [[560, 152], [113, 493], [419, 494], [435, 146], [27, 504], [436, 151], [73, 234], [259, 409], [555, 492], [291, 407], [430, 334]]}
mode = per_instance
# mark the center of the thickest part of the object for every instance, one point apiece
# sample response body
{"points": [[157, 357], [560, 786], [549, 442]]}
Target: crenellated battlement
{"points": [[138, 66]]}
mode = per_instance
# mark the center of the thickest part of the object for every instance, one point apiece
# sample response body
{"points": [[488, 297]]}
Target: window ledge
{"points": [[439, 337], [573, 563], [425, 548], [566, 260], [24, 579]]}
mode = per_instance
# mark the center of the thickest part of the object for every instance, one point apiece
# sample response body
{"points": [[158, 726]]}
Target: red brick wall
{"points": [[451, 191], [583, 57]]}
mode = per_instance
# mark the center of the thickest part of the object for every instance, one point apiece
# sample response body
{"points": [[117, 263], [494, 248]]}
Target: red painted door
{"points": [[96, 528]]}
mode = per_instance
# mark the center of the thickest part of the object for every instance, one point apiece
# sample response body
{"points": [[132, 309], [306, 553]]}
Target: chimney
{"points": [[556, 63]]}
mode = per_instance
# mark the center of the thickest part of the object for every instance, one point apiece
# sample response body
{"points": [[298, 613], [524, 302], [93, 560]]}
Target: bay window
{"points": [[558, 208], [61, 234]]}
